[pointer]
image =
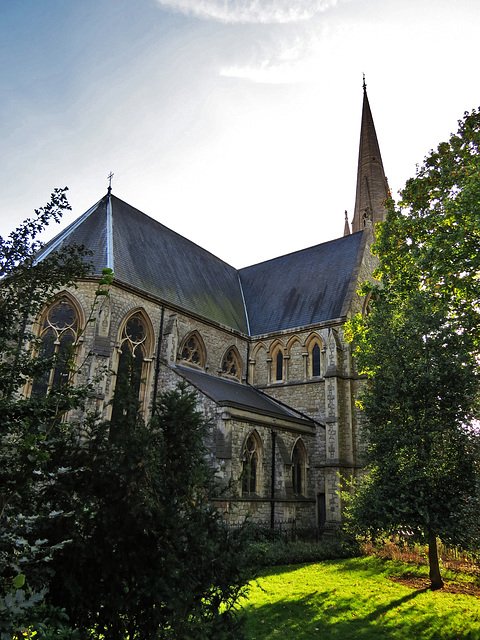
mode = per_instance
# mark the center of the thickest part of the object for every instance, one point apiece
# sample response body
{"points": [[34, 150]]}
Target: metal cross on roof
{"points": [[109, 178]]}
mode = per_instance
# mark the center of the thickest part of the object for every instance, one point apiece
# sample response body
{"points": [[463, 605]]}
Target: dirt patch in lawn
{"points": [[414, 582]]}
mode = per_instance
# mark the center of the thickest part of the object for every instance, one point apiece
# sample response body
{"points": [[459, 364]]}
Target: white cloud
{"points": [[250, 11], [293, 57]]}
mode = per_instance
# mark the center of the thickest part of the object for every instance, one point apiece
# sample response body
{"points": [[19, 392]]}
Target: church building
{"points": [[263, 346]]}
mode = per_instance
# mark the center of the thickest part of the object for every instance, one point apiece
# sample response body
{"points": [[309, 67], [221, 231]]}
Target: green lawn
{"points": [[354, 599]]}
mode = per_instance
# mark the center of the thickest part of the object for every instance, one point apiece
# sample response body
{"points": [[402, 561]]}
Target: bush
{"points": [[270, 553]]}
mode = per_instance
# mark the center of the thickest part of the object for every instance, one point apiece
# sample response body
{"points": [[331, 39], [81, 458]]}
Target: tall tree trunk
{"points": [[434, 575]]}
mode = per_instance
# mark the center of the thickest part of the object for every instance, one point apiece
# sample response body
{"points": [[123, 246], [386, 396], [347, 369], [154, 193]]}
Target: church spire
{"points": [[372, 187]]}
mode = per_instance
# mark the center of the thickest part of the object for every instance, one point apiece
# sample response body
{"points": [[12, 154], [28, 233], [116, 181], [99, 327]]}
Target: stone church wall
{"points": [[327, 398]]}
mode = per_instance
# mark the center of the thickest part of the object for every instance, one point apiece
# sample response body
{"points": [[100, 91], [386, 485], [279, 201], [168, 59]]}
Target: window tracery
{"points": [[192, 351], [131, 367], [59, 331], [231, 364]]}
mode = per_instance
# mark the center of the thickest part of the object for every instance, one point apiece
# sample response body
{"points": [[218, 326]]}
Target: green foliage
{"points": [[31, 425], [150, 556], [266, 554], [419, 349], [430, 240]]}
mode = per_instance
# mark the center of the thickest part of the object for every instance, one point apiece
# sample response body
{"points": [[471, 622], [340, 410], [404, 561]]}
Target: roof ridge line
{"points": [[177, 233], [58, 239], [244, 305], [291, 253], [109, 234]]}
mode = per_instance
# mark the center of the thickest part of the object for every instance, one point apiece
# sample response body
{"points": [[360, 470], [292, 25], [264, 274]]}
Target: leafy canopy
{"points": [[419, 350]]}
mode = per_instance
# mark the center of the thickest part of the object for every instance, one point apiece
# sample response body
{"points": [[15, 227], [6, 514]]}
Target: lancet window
{"points": [[278, 364], [250, 466], [315, 357], [316, 371], [298, 469]]}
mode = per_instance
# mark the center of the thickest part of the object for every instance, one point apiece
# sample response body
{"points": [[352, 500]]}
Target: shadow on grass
{"points": [[365, 566], [326, 617]]}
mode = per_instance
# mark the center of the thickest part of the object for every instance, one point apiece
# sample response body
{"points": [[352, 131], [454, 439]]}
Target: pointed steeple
{"points": [[346, 230], [372, 187]]}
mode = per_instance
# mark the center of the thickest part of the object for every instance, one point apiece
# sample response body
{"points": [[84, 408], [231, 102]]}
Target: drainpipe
{"points": [[157, 363], [272, 494]]}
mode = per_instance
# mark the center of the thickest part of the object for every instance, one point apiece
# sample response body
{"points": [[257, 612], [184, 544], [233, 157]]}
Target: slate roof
{"points": [[233, 394], [155, 259], [302, 288]]}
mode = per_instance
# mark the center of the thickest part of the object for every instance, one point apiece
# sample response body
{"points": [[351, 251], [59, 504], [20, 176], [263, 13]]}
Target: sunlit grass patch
{"points": [[354, 599]]}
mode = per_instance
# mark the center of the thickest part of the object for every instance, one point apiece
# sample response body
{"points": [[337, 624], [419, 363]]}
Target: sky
{"points": [[235, 123]]}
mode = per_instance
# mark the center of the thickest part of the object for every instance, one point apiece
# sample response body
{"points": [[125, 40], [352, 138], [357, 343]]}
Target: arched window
{"points": [[59, 331], [316, 360], [315, 357], [193, 351], [298, 469], [130, 369], [279, 365], [231, 364], [250, 466]]}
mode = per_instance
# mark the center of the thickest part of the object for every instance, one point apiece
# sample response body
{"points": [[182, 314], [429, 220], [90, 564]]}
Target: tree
{"points": [[150, 556], [107, 527], [419, 349], [431, 239], [31, 424]]}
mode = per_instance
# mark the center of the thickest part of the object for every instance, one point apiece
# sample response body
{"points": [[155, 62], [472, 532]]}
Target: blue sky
{"points": [[234, 122]]}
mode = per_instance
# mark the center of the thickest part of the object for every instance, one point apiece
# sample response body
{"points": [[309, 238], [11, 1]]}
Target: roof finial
{"points": [[109, 178], [364, 85]]}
